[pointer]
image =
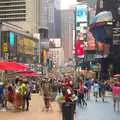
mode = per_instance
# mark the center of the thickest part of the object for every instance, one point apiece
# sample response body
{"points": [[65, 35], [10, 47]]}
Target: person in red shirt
{"points": [[81, 93], [116, 95]]}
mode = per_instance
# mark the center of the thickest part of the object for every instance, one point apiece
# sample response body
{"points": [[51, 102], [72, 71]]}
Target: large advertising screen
{"points": [[12, 44], [91, 45], [81, 13], [97, 6], [8, 44], [79, 49], [27, 45]]}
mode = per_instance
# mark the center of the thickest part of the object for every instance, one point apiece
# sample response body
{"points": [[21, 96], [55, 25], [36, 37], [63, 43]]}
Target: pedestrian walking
{"points": [[116, 96], [102, 90], [26, 95], [81, 94], [88, 88], [47, 92], [96, 90]]}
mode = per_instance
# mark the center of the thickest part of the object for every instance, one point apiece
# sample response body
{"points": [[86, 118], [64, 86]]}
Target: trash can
{"points": [[68, 111]]}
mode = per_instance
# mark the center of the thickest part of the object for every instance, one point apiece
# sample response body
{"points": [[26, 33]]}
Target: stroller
{"points": [[1, 94]]}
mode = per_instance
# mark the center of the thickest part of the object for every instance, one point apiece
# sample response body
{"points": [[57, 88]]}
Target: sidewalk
{"points": [[35, 112]]}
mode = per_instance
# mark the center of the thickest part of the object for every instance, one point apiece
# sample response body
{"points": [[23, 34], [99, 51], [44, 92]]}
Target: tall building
{"points": [[54, 15], [23, 13], [51, 18], [57, 56], [57, 19], [43, 13], [57, 23], [67, 27]]}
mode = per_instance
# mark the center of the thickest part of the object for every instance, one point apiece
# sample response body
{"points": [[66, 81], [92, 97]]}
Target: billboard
{"points": [[79, 49], [54, 42], [12, 44], [27, 45], [91, 9], [97, 6], [8, 44], [116, 33], [81, 13]]}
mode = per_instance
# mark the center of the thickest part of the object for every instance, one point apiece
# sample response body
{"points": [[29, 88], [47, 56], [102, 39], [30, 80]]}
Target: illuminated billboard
{"points": [[27, 45], [81, 13], [12, 38], [91, 45], [79, 49]]}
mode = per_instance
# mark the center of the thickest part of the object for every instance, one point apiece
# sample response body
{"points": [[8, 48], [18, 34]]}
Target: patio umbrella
{"points": [[29, 74], [5, 65]]}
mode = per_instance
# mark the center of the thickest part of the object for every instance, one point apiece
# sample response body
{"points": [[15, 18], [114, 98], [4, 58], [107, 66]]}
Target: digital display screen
{"points": [[12, 38], [81, 13]]}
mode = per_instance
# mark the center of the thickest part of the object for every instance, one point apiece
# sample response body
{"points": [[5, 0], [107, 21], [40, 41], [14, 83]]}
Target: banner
{"points": [[91, 45], [81, 13], [116, 32], [79, 49]]}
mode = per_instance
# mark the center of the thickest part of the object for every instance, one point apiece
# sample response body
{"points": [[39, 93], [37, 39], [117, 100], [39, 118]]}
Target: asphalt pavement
{"points": [[98, 110], [94, 111]]}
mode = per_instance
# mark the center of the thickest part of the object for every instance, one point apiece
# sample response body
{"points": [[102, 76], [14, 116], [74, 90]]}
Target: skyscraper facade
{"points": [[51, 18], [67, 27], [23, 13]]}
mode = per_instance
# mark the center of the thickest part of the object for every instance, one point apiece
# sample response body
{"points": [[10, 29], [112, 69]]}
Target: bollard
{"points": [[68, 111]]}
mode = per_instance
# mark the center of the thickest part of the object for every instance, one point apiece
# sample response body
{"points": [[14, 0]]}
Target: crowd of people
{"points": [[18, 93]]}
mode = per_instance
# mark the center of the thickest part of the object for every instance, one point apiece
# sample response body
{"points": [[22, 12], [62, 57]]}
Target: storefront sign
{"points": [[116, 33], [5, 47]]}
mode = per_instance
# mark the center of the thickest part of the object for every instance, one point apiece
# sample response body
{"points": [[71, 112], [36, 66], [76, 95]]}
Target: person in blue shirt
{"points": [[2, 94], [102, 90], [88, 88]]}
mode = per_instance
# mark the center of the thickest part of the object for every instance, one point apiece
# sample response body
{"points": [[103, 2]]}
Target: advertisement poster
{"points": [[12, 44], [116, 33], [81, 13], [79, 49], [97, 6], [91, 42]]}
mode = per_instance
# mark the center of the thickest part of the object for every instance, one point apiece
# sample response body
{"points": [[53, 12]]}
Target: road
{"points": [[98, 111], [94, 111]]}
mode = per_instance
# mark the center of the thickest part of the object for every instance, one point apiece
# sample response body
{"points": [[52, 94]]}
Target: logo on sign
{"points": [[5, 47]]}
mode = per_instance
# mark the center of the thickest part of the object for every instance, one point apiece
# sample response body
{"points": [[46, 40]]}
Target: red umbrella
{"points": [[29, 74], [5, 65]]}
